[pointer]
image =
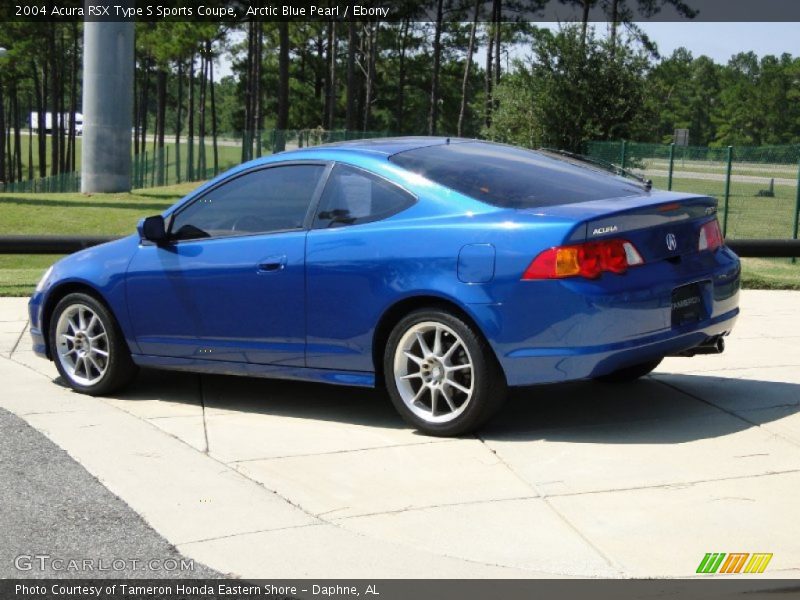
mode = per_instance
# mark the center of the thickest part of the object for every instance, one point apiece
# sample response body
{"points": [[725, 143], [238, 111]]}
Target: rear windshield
{"points": [[511, 177]]}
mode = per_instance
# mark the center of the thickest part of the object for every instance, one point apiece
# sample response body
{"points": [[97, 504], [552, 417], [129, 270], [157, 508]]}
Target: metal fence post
{"points": [[177, 163], [671, 165], [797, 205], [796, 210], [166, 166], [623, 153], [727, 192]]}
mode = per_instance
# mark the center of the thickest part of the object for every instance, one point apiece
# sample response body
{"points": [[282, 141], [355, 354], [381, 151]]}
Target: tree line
{"points": [[470, 71]]}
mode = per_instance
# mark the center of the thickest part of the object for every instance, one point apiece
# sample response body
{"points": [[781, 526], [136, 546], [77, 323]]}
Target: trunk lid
{"points": [[661, 225]]}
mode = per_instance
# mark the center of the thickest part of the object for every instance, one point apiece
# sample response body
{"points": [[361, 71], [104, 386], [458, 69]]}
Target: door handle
{"points": [[272, 264]]}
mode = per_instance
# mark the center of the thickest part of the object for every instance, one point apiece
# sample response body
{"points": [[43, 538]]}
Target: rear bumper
{"points": [[554, 331], [530, 366]]}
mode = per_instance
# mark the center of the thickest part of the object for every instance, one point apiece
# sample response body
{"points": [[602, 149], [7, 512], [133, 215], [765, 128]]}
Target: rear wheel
{"points": [[441, 375], [630, 373], [87, 346]]}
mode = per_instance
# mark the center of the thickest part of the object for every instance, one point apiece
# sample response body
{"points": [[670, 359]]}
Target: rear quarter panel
{"points": [[355, 274]]}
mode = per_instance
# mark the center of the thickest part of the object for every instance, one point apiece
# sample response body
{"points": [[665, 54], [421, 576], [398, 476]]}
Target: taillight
{"points": [[710, 236], [584, 260]]}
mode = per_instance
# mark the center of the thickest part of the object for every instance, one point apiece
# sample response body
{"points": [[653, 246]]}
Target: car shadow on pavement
{"points": [[663, 408], [660, 409], [296, 399]]}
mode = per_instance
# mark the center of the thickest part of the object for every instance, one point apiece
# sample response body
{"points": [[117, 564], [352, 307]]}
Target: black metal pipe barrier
{"points": [[765, 248], [48, 244], [60, 244]]}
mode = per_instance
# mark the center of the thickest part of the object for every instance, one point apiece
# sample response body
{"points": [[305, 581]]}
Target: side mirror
{"points": [[153, 230]]}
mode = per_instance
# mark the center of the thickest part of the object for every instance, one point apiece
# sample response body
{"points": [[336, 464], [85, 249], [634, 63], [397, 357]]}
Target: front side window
{"points": [[354, 196], [263, 201]]}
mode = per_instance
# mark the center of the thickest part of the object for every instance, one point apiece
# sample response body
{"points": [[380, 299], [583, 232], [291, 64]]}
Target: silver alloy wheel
{"points": [[82, 344], [433, 372]]}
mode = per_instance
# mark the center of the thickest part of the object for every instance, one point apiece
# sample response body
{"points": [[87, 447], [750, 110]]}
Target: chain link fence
{"points": [[201, 160], [758, 188]]}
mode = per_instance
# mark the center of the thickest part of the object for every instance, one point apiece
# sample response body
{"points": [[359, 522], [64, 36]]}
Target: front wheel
{"points": [[631, 373], [441, 375], [87, 346]]}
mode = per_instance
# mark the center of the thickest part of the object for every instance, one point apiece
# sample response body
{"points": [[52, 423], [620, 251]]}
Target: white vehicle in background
{"points": [[62, 120]]}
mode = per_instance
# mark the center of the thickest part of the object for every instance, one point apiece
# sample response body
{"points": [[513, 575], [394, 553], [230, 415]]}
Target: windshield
{"points": [[511, 177]]}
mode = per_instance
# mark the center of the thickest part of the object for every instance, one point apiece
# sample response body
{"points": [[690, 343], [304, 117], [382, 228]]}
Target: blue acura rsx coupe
{"points": [[442, 269]]}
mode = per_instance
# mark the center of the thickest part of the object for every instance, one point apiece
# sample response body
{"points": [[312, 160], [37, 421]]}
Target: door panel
{"points": [[214, 299], [231, 284]]}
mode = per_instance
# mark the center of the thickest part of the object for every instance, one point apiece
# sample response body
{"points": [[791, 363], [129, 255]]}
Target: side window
{"points": [[271, 199], [354, 196]]}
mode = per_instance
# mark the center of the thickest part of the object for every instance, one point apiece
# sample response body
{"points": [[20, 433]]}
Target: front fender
{"points": [[102, 270]]}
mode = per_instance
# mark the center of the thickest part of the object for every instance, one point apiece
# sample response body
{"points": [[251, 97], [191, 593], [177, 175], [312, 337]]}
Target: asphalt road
{"points": [[50, 506]]}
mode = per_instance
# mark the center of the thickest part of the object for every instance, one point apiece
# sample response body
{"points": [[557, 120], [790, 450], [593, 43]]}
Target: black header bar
{"points": [[233, 11]]}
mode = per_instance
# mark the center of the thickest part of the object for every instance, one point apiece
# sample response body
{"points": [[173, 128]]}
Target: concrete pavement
{"points": [[55, 516], [279, 479]]}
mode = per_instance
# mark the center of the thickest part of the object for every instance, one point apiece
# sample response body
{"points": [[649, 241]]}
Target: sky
{"points": [[720, 41]]}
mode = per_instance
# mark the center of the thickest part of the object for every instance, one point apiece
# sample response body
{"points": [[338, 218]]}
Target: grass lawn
{"points": [[84, 214], [750, 216], [117, 214], [71, 214], [771, 273]]}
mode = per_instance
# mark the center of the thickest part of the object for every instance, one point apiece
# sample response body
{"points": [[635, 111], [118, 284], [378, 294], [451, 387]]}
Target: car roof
{"points": [[389, 145]]}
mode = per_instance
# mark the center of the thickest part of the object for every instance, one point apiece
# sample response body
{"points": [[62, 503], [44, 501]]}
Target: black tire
{"points": [[119, 368], [486, 380], [631, 373]]}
